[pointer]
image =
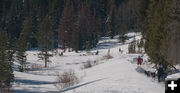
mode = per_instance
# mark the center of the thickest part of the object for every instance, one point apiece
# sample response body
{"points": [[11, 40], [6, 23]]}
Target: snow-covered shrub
{"points": [[108, 56], [33, 67], [66, 79], [87, 64]]}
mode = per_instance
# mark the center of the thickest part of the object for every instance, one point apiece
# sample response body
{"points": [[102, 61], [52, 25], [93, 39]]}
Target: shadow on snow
{"points": [[77, 86], [32, 82]]}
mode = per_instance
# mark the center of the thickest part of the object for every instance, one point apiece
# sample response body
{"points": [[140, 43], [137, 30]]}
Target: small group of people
{"points": [[161, 73]]}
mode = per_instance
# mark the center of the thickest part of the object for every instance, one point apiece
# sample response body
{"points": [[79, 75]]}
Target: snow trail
{"points": [[116, 75]]}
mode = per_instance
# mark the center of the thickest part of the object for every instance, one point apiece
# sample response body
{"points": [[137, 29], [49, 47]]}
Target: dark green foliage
{"points": [[27, 32], [24, 42], [76, 41], [170, 45], [157, 32], [122, 32], [111, 21], [67, 26], [159, 23], [88, 45], [6, 73], [19, 15], [76, 30], [21, 46], [45, 39], [141, 14]]}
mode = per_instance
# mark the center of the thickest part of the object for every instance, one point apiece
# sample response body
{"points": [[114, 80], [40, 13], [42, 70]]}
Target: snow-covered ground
{"points": [[116, 75]]}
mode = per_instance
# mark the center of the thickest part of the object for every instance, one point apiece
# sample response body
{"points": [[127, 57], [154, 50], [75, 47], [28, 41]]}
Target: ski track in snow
{"points": [[116, 75]]}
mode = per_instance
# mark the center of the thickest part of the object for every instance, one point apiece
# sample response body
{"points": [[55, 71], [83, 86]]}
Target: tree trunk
{"points": [[45, 56]]}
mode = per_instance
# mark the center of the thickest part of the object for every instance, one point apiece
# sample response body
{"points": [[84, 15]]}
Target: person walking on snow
{"points": [[97, 52], [139, 61], [160, 72], [120, 50]]}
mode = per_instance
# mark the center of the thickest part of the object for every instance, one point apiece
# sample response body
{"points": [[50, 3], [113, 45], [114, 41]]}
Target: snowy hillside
{"points": [[115, 75]]}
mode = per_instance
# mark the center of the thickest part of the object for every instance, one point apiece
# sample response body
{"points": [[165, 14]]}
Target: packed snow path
{"points": [[116, 75]]}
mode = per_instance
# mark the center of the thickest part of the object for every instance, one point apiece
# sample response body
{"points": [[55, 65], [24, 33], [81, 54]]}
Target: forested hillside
{"points": [[159, 22], [98, 17]]}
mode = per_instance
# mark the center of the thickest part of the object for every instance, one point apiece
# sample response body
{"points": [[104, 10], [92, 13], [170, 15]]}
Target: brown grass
{"points": [[66, 79]]}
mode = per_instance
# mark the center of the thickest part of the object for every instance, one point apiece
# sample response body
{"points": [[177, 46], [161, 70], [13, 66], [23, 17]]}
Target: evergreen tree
{"points": [[85, 30], [6, 72], [94, 30], [111, 21], [45, 39], [141, 13], [55, 11], [156, 30], [66, 26], [24, 42], [14, 19], [122, 32], [170, 45], [27, 33], [88, 45], [21, 46], [76, 41]]}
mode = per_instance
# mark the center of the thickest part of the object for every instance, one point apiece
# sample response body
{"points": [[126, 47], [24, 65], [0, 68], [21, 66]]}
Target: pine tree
{"points": [[27, 32], [24, 42], [141, 13], [157, 20], [94, 30], [88, 45], [85, 30], [21, 46], [55, 11], [66, 25], [6, 72], [45, 39], [76, 41], [170, 46], [14, 19], [122, 32], [111, 21]]}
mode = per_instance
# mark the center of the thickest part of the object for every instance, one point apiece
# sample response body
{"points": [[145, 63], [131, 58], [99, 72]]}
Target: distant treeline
{"points": [[75, 23]]}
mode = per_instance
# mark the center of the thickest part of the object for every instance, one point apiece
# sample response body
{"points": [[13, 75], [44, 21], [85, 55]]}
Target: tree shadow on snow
{"points": [[32, 82], [28, 91], [77, 86]]}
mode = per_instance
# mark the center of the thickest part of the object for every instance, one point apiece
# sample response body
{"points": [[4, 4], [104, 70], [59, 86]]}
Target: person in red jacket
{"points": [[139, 60]]}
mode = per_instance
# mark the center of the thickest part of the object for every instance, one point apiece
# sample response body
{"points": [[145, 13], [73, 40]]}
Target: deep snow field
{"points": [[116, 75]]}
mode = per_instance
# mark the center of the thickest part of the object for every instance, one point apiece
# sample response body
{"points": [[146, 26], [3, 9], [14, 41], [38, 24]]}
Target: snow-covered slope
{"points": [[116, 75]]}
